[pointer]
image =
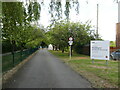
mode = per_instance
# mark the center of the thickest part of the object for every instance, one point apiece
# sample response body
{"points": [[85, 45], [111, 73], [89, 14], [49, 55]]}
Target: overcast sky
{"points": [[108, 16]]}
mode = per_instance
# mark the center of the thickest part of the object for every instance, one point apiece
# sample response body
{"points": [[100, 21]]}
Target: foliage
{"points": [[36, 35], [56, 10], [59, 34], [67, 10], [34, 9], [112, 44], [18, 17], [11, 19], [6, 47], [17, 28]]}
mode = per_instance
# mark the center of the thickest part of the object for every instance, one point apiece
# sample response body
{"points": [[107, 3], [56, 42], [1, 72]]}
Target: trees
{"points": [[17, 28], [56, 9], [18, 17], [12, 18], [60, 33], [36, 35]]}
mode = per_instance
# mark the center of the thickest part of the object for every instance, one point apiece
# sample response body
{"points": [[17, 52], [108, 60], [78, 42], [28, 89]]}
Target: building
{"points": [[118, 28]]}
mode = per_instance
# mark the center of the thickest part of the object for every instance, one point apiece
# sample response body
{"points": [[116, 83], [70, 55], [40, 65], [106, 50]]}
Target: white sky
{"points": [[108, 16]]}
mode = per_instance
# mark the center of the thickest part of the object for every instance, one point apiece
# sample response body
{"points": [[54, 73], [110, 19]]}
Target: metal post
{"points": [[70, 52], [106, 62], [97, 21], [92, 61]]}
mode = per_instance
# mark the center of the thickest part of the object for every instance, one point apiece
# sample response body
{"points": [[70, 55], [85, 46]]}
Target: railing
{"points": [[10, 60]]}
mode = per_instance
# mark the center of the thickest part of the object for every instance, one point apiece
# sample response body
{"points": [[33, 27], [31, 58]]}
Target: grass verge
{"points": [[98, 73]]}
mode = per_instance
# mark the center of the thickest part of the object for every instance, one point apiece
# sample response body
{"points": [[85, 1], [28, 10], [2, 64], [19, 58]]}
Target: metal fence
{"points": [[10, 60]]}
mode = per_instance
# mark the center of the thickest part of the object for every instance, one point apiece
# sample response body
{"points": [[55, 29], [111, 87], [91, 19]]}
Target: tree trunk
{"points": [[53, 47], [56, 48], [62, 50]]}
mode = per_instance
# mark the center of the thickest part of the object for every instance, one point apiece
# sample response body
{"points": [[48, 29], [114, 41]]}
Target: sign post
{"points": [[70, 43], [100, 50], [70, 52], [92, 61], [106, 62]]}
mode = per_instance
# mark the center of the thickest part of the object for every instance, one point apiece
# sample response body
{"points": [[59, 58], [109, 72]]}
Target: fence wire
{"points": [[10, 60]]}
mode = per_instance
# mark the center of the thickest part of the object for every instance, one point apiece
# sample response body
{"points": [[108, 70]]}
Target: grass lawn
{"points": [[98, 73]]}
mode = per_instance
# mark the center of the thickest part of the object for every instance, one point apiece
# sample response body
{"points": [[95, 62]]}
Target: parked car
{"points": [[115, 55]]}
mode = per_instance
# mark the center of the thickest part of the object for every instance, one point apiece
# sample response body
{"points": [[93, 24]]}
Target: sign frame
{"points": [[100, 49], [70, 42]]}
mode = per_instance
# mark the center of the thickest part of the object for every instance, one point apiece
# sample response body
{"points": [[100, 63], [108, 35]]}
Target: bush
{"points": [[7, 47]]}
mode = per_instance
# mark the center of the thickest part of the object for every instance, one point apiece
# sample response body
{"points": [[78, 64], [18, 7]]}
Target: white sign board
{"points": [[70, 38], [100, 50], [70, 42]]}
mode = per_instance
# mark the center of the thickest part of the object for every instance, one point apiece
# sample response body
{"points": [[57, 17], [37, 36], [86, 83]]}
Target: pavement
{"points": [[44, 70]]}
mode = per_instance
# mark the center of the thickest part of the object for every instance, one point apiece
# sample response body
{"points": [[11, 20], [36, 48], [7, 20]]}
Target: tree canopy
{"points": [[59, 34], [17, 27], [21, 29]]}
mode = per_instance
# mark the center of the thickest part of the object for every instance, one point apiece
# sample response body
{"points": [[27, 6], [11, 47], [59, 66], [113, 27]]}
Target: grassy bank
{"points": [[98, 73]]}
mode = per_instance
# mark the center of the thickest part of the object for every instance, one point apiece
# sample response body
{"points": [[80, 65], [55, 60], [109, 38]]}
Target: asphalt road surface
{"points": [[45, 70]]}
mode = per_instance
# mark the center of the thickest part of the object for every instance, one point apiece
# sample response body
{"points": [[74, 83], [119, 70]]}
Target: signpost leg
{"points": [[106, 62], [92, 61], [70, 52], [70, 43]]}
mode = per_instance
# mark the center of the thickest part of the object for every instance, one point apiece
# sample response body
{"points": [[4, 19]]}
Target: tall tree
{"points": [[60, 33], [56, 11], [12, 18], [17, 19], [34, 9]]}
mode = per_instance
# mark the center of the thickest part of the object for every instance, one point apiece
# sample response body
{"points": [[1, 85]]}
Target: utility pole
{"points": [[118, 11], [117, 1], [97, 21]]}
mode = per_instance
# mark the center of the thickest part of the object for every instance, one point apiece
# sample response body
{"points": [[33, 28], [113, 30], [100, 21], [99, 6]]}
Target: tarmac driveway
{"points": [[46, 71]]}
